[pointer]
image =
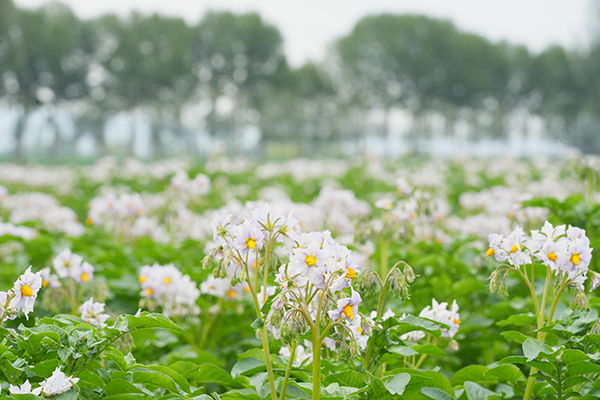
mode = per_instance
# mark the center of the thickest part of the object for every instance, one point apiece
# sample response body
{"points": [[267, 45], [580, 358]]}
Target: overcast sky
{"points": [[308, 26]]}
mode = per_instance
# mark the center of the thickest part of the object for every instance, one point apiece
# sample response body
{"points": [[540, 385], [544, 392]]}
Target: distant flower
{"points": [[93, 313], [65, 262]]}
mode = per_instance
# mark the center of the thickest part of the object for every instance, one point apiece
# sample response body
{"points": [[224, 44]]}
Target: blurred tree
{"points": [[44, 62], [239, 59]]}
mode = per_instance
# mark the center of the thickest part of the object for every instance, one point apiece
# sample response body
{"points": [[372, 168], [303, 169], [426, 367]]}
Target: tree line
{"points": [[231, 69]]}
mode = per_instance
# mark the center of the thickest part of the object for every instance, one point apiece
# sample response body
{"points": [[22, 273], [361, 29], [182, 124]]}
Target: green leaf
{"points": [[532, 349], [247, 366], [396, 384], [183, 367], [508, 373], [582, 367], [155, 379], [346, 378], [120, 386], [435, 393], [518, 320], [516, 336], [403, 350], [176, 376], [150, 321], [429, 349], [477, 392], [474, 373], [571, 356], [115, 355], [214, 374]]}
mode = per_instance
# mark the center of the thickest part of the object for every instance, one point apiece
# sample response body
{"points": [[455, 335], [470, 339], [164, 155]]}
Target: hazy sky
{"points": [[308, 26]]}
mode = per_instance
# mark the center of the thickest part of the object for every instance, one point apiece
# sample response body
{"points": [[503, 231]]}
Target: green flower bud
{"points": [[367, 282], [503, 289], [409, 273], [494, 281]]}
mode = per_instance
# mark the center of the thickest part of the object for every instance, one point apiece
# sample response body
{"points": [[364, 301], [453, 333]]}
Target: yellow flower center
{"points": [[85, 277], [490, 252], [149, 291], [511, 214], [351, 273], [514, 248], [359, 329], [247, 289], [89, 221], [232, 293], [45, 283], [251, 243], [399, 191], [26, 291], [67, 263], [167, 280], [575, 259], [142, 278], [552, 256], [311, 261], [348, 311], [456, 321]]}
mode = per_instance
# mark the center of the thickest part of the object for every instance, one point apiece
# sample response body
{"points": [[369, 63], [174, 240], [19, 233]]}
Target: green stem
{"points": [[316, 363], [383, 256], [265, 341], [209, 325], [384, 285], [288, 370], [73, 297]]}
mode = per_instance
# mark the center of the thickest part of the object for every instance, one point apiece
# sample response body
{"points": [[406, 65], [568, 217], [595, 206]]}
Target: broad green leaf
{"points": [[155, 379], [214, 374], [477, 392], [346, 378], [435, 393], [508, 373], [397, 383], [532, 348], [583, 367], [120, 386], [429, 349], [571, 356], [247, 366], [518, 320], [473, 373], [516, 336]]}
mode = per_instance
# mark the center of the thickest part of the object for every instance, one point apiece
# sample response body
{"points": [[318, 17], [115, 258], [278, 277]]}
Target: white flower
{"points": [[49, 280], [25, 291], [65, 261], [83, 274], [24, 389], [200, 185], [348, 307], [249, 237], [384, 204], [93, 313], [57, 383]]}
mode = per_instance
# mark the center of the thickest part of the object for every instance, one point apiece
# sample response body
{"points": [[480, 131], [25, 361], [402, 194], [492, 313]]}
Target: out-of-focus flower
{"points": [[93, 313]]}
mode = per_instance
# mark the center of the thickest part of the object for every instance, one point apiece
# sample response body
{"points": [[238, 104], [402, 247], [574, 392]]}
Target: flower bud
{"points": [[353, 348], [243, 275], [398, 285], [494, 281], [580, 300], [367, 282], [596, 328], [453, 345], [503, 289], [298, 325], [409, 273], [206, 261], [275, 316]]}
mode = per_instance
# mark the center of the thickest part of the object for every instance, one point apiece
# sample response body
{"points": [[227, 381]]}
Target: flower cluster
{"points": [[565, 250], [69, 265], [22, 296], [110, 209], [58, 383], [438, 312], [166, 287], [199, 186]]}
